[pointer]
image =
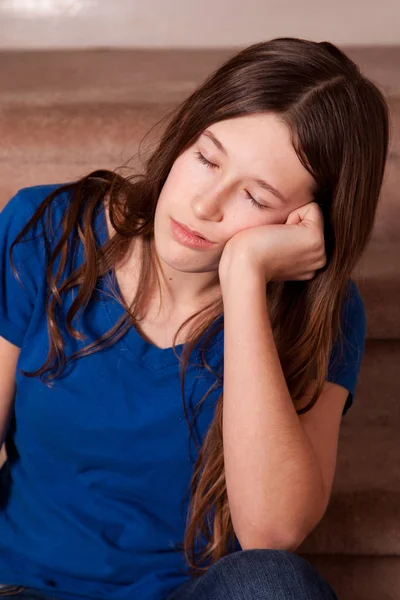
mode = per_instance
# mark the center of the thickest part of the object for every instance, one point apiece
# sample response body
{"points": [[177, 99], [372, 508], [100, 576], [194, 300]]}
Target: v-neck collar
{"points": [[154, 358]]}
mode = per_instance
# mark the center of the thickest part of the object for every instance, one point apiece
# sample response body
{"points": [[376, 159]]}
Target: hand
{"points": [[292, 251]]}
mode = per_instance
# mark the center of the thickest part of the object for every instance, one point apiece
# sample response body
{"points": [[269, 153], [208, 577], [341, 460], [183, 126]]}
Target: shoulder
{"points": [[29, 198], [22, 206], [353, 297], [16, 225], [22, 265], [348, 349], [353, 315]]}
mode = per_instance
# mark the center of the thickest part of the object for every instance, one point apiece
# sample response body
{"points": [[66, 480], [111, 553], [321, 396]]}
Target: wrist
{"points": [[240, 274]]}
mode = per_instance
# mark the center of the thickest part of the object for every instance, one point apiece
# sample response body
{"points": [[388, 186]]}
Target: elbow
{"points": [[284, 539], [288, 537], [271, 541]]}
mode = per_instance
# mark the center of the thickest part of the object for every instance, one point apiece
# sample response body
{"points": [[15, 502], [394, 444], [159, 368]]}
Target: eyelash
{"points": [[211, 165]]}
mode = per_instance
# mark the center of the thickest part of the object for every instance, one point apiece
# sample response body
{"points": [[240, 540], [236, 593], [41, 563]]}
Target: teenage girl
{"points": [[178, 347]]}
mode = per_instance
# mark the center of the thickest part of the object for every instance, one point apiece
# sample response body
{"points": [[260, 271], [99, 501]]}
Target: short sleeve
{"points": [[346, 356], [17, 296]]}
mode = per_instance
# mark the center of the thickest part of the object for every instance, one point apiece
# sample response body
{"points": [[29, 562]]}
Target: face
{"points": [[221, 197]]}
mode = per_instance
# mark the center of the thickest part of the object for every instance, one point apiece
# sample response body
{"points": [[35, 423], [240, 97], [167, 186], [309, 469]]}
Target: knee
{"points": [[264, 561], [265, 574]]}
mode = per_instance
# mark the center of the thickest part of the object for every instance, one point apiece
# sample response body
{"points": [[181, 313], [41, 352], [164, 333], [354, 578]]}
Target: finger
{"points": [[307, 276], [306, 214], [294, 218]]}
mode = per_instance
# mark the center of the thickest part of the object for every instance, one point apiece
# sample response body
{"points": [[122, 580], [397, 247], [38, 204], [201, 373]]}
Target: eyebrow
{"points": [[264, 184]]}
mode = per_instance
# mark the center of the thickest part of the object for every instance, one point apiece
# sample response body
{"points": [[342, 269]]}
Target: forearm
{"points": [[3, 455], [273, 479]]}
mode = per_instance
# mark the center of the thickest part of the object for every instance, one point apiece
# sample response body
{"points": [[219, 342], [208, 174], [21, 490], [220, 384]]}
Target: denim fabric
{"points": [[245, 575], [19, 592], [257, 575]]}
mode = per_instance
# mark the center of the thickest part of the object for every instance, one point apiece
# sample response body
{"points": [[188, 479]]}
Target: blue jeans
{"points": [[244, 575], [257, 575]]}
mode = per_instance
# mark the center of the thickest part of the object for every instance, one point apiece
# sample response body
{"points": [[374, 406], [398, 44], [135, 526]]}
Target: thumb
{"points": [[308, 214], [294, 218]]}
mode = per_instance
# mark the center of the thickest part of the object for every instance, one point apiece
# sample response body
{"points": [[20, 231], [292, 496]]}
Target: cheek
{"points": [[241, 223], [177, 186], [253, 218]]}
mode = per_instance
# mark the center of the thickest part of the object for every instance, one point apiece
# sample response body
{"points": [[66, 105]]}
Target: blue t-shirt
{"points": [[100, 463]]}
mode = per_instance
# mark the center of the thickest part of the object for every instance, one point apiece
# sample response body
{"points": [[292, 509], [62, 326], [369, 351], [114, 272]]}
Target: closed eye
{"points": [[211, 165]]}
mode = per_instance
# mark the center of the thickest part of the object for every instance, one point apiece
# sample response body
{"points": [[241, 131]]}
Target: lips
{"points": [[193, 231]]}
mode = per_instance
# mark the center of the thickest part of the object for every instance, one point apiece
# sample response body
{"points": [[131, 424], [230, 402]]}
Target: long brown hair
{"points": [[340, 130]]}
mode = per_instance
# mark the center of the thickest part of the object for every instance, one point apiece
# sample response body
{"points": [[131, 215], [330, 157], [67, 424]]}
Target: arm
{"points": [[8, 362], [274, 482]]}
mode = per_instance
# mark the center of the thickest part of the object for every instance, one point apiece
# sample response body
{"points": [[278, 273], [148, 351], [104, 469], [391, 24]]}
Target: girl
{"points": [[128, 305]]}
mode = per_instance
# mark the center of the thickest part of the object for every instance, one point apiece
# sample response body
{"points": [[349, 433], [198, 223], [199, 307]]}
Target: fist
{"points": [[293, 251]]}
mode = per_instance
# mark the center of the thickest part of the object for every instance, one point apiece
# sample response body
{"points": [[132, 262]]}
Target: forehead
{"points": [[260, 146]]}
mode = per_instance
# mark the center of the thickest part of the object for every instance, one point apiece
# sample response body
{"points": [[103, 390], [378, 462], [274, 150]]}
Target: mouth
{"points": [[193, 232], [189, 237]]}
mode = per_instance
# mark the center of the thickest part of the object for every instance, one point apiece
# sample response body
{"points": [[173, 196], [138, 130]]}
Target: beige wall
{"points": [[194, 23]]}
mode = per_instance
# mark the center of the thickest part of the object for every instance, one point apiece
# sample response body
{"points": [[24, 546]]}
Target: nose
{"points": [[208, 207]]}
